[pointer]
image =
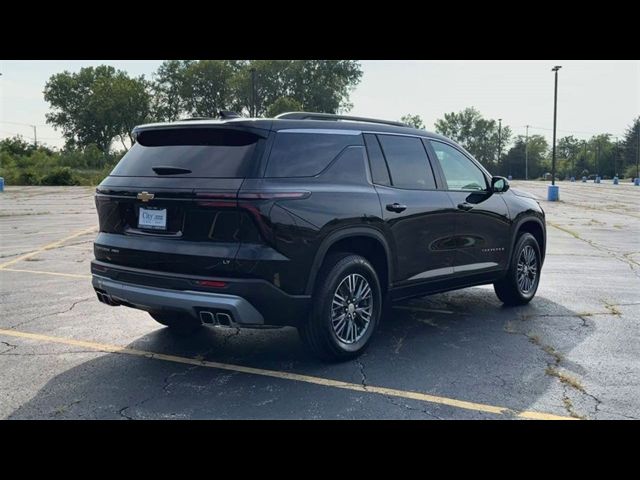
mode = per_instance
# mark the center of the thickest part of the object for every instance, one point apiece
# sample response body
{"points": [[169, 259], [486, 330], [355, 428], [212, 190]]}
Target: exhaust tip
{"points": [[224, 319], [207, 317]]}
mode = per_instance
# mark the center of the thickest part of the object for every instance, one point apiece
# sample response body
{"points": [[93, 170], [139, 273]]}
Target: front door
{"points": [[482, 229]]}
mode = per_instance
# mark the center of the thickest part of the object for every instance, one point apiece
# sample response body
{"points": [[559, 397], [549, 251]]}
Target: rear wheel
{"points": [[520, 284], [346, 308], [179, 323]]}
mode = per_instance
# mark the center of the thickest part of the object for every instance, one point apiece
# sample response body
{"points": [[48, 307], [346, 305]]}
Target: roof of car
{"points": [[276, 124]]}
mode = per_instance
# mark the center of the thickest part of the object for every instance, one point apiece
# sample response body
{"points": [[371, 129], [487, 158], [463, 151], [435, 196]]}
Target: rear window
{"points": [[408, 163], [306, 154], [193, 152]]}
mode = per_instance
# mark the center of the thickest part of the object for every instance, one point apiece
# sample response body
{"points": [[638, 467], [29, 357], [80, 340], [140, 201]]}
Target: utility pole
{"points": [[526, 155], [584, 144], [597, 156], [35, 137]]}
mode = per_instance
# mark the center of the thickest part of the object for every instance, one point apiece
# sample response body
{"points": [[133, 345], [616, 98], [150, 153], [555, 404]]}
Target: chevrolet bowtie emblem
{"points": [[145, 196]]}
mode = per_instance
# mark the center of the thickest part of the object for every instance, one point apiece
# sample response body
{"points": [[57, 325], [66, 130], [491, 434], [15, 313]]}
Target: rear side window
{"points": [[305, 154], [193, 152], [408, 163], [379, 172]]}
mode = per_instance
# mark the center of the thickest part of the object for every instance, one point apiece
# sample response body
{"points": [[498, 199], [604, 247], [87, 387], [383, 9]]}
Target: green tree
{"points": [[476, 134], [96, 105], [414, 121], [208, 87], [282, 105], [204, 87], [630, 146], [168, 88], [525, 156]]}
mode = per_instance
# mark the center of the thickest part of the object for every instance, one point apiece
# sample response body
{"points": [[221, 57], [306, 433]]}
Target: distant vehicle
{"points": [[306, 220]]}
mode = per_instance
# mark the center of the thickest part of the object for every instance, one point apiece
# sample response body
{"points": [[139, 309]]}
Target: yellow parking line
{"points": [[55, 244], [40, 272], [423, 397]]}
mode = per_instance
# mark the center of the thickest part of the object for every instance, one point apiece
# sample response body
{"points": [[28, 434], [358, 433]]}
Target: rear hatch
{"points": [[171, 205]]}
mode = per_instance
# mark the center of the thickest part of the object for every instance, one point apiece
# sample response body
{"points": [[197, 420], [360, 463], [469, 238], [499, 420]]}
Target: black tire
{"points": [[318, 333], [509, 290], [178, 323]]}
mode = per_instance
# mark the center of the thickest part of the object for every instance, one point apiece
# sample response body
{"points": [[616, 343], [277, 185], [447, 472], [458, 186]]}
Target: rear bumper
{"points": [[248, 302]]}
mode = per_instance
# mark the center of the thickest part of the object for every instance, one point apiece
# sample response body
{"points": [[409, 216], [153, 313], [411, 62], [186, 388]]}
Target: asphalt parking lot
{"points": [[573, 352]]}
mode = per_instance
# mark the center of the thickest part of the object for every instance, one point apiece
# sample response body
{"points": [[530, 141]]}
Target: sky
{"points": [[593, 96]]}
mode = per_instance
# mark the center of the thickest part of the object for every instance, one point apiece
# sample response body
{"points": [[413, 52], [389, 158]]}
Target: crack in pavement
{"points": [[10, 345], [621, 257], [39, 317], [409, 407], [552, 369], [363, 375]]}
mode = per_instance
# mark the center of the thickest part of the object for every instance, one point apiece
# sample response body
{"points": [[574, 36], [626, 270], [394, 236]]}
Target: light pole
{"points": [[553, 193]]}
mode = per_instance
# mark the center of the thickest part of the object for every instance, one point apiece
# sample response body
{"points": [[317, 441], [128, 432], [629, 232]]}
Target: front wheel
{"points": [[520, 284], [347, 305]]}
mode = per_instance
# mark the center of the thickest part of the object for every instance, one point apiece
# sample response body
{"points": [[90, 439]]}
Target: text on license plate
{"points": [[153, 219]]}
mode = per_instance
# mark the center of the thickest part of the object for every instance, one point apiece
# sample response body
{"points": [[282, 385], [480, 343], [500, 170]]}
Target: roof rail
{"points": [[332, 116], [192, 119]]}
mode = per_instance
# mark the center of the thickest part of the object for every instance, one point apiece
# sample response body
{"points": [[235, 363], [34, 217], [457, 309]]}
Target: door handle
{"points": [[465, 206], [396, 207]]}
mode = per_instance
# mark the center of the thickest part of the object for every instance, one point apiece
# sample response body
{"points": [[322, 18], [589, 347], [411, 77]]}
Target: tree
{"points": [[525, 154], [282, 105], [168, 88], [96, 105], [204, 87], [630, 146], [414, 121], [476, 134]]}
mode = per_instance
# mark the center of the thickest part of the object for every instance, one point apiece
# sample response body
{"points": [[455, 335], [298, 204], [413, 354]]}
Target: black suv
{"points": [[306, 220]]}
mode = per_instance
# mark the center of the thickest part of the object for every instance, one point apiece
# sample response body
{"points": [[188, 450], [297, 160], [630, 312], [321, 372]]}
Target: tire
{"points": [[513, 289], [178, 323], [334, 334]]}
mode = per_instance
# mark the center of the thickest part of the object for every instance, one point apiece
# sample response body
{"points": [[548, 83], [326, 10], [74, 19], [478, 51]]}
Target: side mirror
{"points": [[499, 184]]}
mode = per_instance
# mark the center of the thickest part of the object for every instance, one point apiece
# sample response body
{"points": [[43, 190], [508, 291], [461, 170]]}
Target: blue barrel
{"points": [[509, 178], [553, 193], [636, 182], [615, 180], [584, 179], [1, 184], [573, 179], [597, 180]]}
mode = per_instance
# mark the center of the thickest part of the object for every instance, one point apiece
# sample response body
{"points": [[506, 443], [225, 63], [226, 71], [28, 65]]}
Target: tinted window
{"points": [[408, 163], [379, 172], [459, 171], [203, 152], [305, 154]]}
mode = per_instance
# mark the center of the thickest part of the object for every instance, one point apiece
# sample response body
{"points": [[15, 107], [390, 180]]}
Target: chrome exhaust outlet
{"points": [[224, 319], [207, 317]]}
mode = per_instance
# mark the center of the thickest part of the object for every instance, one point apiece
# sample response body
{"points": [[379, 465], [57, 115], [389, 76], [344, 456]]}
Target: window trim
{"points": [[483, 171], [436, 179]]}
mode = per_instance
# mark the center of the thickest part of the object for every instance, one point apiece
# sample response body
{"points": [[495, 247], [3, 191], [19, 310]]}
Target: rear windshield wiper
{"points": [[170, 170]]}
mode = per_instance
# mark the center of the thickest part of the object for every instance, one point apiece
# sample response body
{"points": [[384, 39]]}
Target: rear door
{"points": [[171, 203], [417, 214], [482, 221]]}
